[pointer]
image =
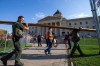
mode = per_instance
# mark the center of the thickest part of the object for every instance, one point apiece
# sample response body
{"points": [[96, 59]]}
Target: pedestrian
{"points": [[49, 37], [39, 40], [75, 40], [34, 40], [67, 41], [17, 29]]}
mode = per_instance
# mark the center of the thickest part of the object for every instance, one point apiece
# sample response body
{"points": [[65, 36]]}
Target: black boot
{"points": [[4, 62]]}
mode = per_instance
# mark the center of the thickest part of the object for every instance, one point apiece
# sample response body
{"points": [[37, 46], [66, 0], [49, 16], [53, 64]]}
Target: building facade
{"points": [[58, 20]]}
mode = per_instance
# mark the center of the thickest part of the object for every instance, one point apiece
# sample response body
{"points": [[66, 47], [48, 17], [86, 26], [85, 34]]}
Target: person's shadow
{"points": [[43, 56]]}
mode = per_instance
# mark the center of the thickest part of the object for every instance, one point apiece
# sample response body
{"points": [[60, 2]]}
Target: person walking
{"points": [[67, 41], [17, 34], [49, 37], [39, 40], [75, 40]]}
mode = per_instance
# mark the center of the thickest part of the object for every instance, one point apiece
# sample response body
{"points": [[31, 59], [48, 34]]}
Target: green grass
{"points": [[87, 61], [88, 41], [10, 47], [90, 48]]}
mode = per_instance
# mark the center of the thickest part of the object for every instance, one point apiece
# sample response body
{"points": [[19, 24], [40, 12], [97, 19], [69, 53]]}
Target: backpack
{"points": [[18, 33]]}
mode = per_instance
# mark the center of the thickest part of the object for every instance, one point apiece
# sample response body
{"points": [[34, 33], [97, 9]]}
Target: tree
{"points": [[3, 32]]}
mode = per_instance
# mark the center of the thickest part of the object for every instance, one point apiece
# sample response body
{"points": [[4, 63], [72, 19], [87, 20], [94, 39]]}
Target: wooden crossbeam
{"points": [[43, 25]]}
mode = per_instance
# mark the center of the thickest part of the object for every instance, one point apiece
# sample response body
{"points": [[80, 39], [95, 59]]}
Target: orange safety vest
{"points": [[49, 36]]}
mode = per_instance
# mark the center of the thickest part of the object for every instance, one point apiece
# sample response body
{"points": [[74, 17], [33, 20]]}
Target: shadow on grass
{"points": [[88, 55], [28, 46], [1, 54]]}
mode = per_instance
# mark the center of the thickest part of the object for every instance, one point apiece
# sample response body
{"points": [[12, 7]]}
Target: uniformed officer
{"points": [[17, 29], [75, 40]]}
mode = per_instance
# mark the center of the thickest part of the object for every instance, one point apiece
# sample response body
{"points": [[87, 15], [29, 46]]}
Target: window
{"points": [[29, 32], [32, 32], [80, 23], [87, 26], [75, 23], [86, 22], [69, 23], [94, 27], [29, 27], [32, 27]]}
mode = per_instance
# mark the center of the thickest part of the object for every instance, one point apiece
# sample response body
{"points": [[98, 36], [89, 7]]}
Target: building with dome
{"points": [[58, 20]]}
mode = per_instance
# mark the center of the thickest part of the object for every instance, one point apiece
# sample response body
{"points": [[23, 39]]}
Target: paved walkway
{"points": [[35, 56]]}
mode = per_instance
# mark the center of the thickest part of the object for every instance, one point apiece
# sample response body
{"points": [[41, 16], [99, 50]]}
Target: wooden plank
{"points": [[42, 25]]}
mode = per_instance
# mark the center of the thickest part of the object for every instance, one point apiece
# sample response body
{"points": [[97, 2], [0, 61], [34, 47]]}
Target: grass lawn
{"points": [[10, 47], [90, 48]]}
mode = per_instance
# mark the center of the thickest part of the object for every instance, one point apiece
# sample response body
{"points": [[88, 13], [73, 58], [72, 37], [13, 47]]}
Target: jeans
{"points": [[49, 46]]}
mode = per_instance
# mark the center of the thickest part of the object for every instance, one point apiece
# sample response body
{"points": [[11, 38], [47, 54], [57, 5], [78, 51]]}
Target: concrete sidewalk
{"points": [[35, 56]]}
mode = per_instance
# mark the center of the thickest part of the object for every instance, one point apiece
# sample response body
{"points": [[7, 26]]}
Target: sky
{"points": [[34, 10]]}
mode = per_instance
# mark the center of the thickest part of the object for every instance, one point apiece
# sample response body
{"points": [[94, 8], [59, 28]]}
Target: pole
{"points": [[96, 20], [26, 40], [5, 43]]}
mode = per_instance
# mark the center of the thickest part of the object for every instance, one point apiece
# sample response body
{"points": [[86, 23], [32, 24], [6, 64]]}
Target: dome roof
{"points": [[57, 12]]}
